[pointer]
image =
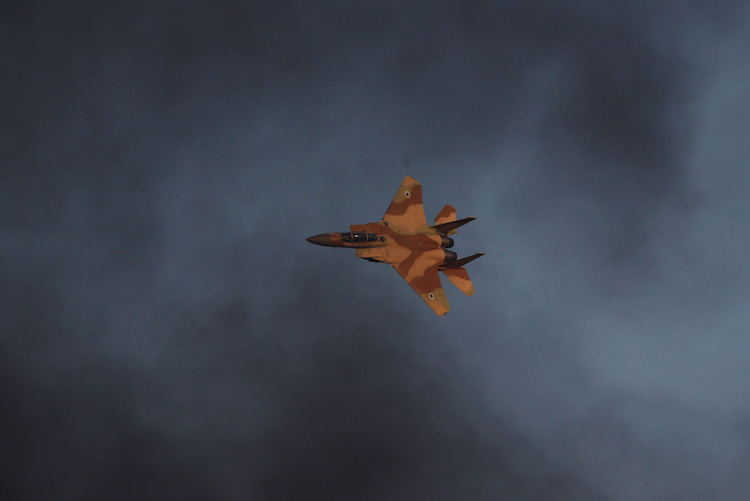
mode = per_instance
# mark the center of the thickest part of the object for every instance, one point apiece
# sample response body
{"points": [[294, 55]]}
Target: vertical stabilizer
{"points": [[450, 227]]}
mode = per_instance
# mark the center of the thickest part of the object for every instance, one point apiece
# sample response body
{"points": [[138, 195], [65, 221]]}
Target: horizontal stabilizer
{"points": [[448, 228], [460, 262], [460, 278], [447, 215]]}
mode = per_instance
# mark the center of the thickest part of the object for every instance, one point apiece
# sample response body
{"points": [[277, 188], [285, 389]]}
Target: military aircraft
{"points": [[405, 241]]}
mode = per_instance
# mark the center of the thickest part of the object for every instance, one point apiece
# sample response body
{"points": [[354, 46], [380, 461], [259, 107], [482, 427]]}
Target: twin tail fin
{"points": [[446, 224], [458, 275]]}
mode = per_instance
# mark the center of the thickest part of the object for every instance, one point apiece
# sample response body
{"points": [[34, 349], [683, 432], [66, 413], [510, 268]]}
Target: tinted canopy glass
{"points": [[359, 237]]}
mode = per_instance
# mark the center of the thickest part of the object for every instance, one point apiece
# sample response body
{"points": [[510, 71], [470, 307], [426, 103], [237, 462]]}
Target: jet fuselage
{"points": [[357, 240], [395, 246], [416, 250]]}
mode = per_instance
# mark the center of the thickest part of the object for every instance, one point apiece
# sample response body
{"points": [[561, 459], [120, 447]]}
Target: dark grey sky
{"points": [[167, 333]]}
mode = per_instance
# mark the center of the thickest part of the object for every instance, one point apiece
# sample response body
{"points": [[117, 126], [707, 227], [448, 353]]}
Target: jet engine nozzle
{"points": [[447, 242], [450, 256]]}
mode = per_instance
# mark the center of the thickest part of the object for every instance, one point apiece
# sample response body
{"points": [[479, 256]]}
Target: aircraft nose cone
{"points": [[322, 239]]}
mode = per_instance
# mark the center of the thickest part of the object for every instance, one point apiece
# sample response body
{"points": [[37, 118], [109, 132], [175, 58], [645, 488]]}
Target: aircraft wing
{"points": [[406, 212], [426, 283]]}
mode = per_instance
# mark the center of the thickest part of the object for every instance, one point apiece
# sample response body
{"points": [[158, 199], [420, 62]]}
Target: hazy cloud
{"points": [[169, 334]]}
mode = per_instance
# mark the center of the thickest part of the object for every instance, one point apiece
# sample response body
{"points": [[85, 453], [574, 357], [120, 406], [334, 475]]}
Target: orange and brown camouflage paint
{"points": [[405, 241]]}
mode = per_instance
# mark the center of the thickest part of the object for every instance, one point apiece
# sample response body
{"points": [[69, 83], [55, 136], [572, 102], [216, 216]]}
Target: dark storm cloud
{"points": [[169, 333]]}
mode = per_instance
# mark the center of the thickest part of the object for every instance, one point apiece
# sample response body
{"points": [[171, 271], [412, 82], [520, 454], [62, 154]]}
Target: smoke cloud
{"points": [[168, 333]]}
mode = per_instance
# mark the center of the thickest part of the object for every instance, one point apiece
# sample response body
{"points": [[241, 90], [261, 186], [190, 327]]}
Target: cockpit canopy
{"points": [[359, 238]]}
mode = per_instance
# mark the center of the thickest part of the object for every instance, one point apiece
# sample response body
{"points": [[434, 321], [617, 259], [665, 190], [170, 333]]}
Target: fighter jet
{"points": [[405, 241]]}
